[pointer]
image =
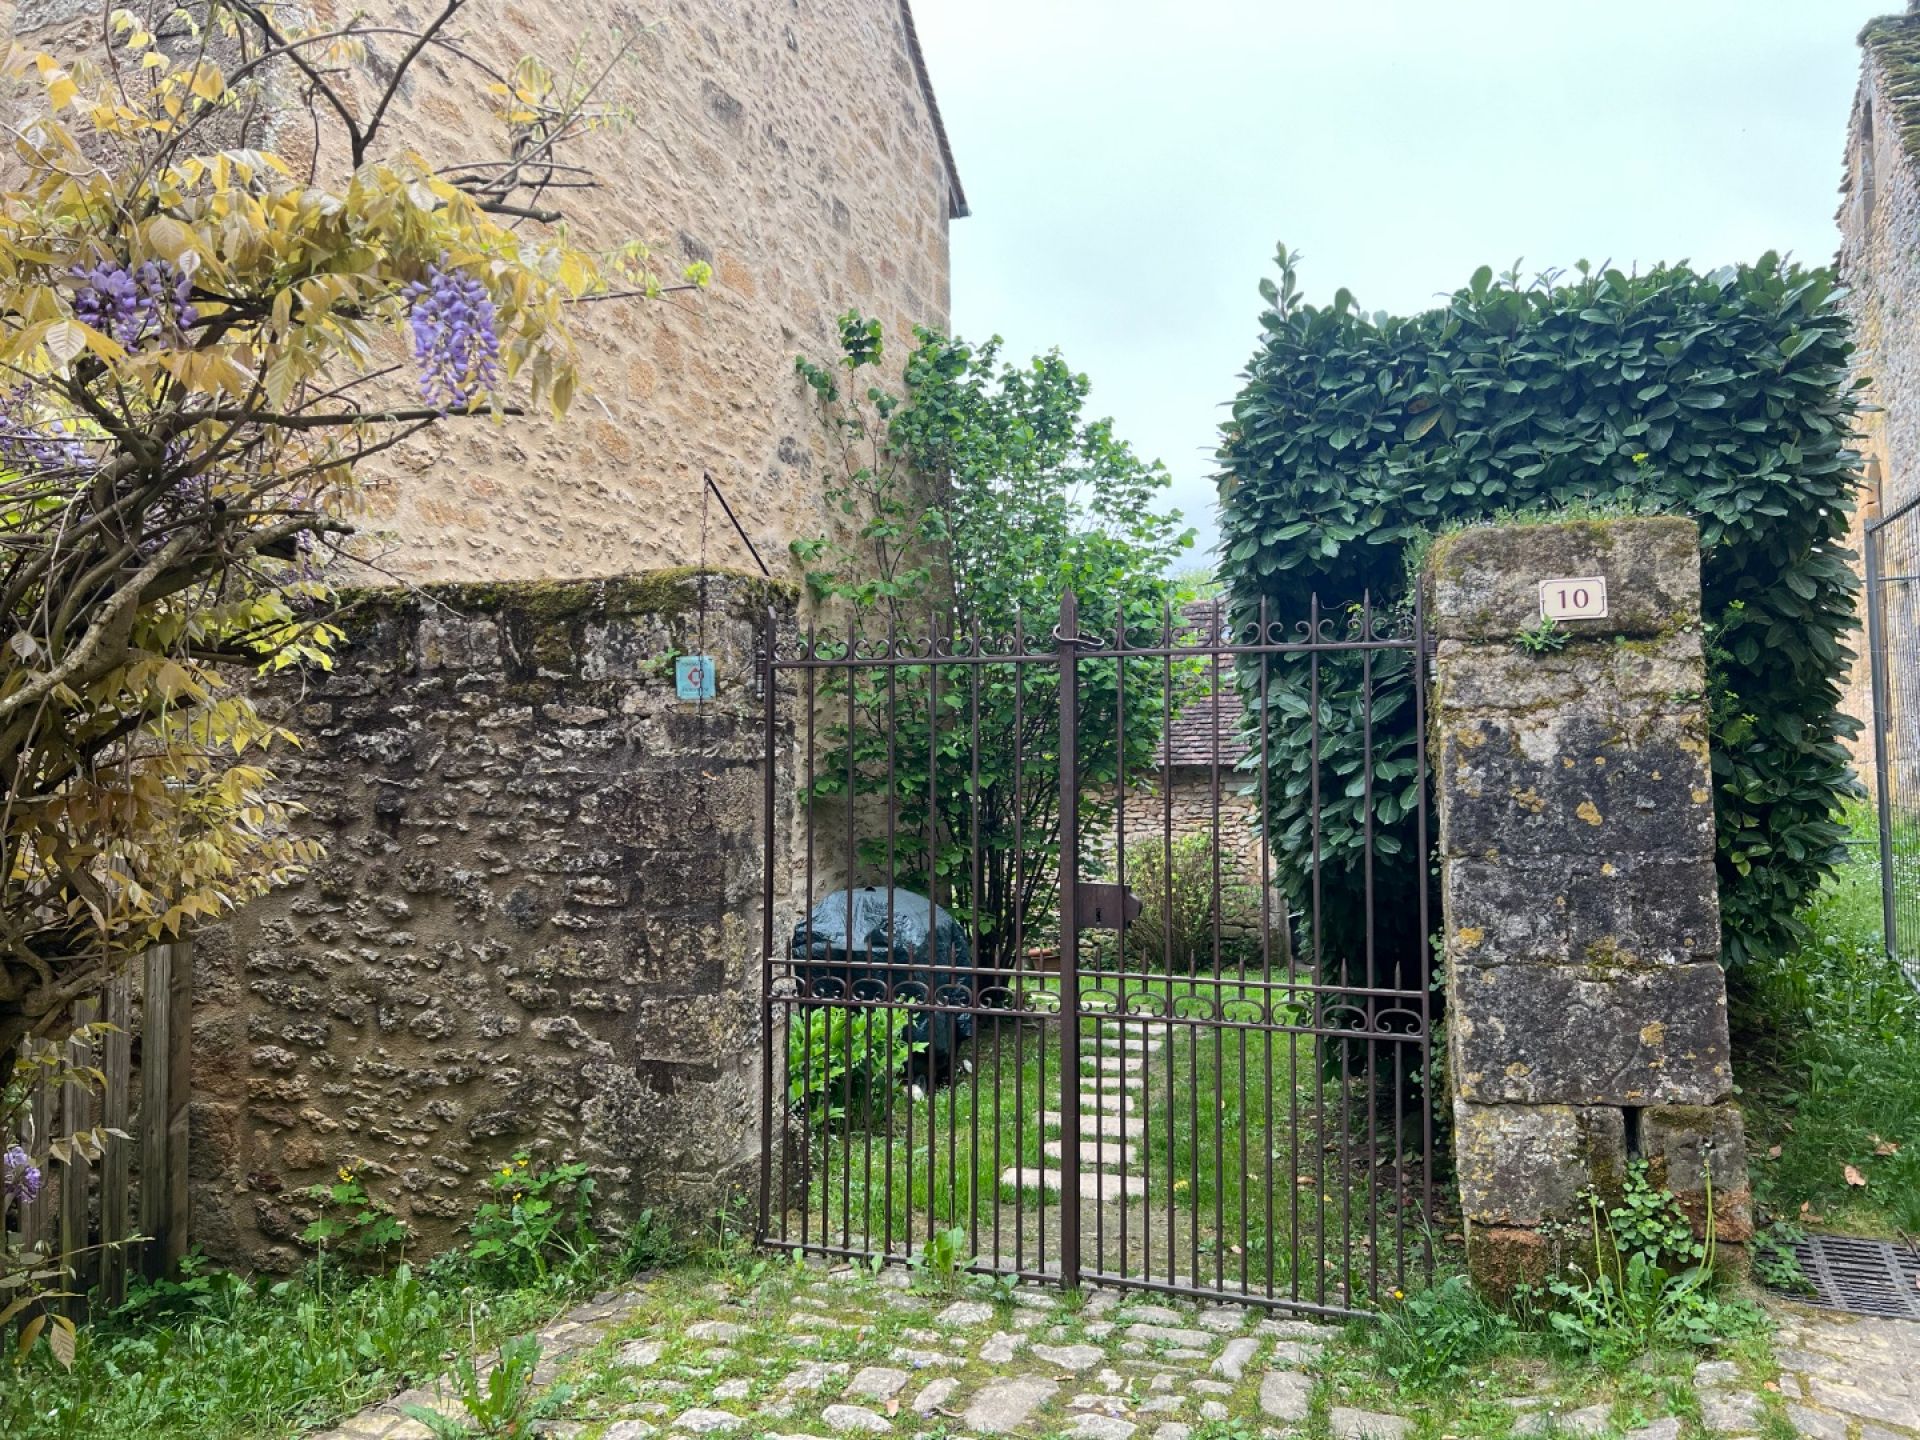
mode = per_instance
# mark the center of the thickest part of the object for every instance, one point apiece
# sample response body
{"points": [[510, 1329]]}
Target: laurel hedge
{"points": [[1724, 396]]}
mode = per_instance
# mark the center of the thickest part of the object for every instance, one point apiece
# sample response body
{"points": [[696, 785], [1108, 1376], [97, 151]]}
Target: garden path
{"points": [[1847, 1377], [799, 1351]]}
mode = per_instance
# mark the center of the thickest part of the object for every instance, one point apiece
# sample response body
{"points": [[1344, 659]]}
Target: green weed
{"points": [[1435, 1337], [1828, 1052]]}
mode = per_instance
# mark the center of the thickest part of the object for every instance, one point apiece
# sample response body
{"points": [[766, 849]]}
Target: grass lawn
{"points": [[1246, 1153], [1827, 1052]]}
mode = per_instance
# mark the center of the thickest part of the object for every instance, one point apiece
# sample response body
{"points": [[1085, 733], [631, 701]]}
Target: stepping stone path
{"points": [[1113, 1065]]}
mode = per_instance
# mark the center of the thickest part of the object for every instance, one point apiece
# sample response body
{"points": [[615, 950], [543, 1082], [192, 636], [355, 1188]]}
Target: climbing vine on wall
{"points": [[1723, 396]]}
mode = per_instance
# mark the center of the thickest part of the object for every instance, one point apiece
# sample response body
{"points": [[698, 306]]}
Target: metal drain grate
{"points": [[1865, 1277]]}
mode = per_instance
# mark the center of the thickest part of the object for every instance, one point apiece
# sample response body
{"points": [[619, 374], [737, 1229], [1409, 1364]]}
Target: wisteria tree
{"points": [[202, 338]]}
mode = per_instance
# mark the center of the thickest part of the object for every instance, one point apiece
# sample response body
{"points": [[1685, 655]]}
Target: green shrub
{"points": [[1721, 396], [497, 1403], [650, 1243], [1175, 927], [351, 1221]]}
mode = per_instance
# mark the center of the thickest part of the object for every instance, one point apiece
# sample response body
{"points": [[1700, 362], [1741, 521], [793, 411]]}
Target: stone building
{"points": [[1879, 262], [538, 925], [798, 149]]}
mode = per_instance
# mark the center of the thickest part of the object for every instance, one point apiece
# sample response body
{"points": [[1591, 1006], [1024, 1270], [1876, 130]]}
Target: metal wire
{"points": [[1893, 647]]}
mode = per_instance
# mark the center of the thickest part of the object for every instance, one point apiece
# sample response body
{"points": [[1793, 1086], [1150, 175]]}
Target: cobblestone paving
{"points": [[801, 1352], [1845, 1377]]}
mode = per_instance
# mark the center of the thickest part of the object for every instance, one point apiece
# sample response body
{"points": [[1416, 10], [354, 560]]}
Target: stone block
{"points": [[1644, 912], [1575, 782], [1579, 1035], [1526, 1165], [1483, 583], [1686, 1146], [1486, 926], [1529, 909], [1502, 1258], [1639, 676]]}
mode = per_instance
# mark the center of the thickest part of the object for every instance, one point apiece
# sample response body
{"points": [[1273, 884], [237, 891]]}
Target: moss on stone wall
{"points": [[669, 594]]}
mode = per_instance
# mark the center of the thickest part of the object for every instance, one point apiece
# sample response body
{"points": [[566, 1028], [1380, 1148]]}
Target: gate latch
{"points": [[1103, 906]]}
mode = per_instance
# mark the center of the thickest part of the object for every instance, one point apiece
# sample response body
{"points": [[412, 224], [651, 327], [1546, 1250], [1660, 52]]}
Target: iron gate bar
{"points": [[1374, 1024], [1067, 636]]}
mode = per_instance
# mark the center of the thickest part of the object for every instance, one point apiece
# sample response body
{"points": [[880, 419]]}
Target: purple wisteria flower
{"points": [[455, 342], [131, 304], [31, 444], [19, 1176]]}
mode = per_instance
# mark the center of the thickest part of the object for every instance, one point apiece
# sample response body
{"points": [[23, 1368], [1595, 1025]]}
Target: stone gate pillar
{"points": [[1586, 1006]]}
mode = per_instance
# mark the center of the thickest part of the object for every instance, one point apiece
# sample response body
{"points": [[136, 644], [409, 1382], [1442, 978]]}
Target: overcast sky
{"points": [[1131, 163]]}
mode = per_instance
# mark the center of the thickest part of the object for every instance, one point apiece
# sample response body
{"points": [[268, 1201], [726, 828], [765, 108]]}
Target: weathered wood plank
{"points": [[36, 1219], [76, 1179], [154, 1102], [118, 1065], [179, 1037]]}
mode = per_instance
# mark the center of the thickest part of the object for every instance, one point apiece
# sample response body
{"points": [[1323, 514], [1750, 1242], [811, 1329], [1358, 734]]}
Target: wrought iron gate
{"points": [[1105, 1061], [1893, 652]]}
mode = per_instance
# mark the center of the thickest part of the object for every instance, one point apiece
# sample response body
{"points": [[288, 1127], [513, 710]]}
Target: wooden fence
{"points": [[84, 1205]]}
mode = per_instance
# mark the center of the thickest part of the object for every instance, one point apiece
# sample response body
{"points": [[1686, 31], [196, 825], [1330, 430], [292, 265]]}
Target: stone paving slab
{"points": [[1104, 1152], [1845, 1377], [1102, 1124], [1094, 1185]]}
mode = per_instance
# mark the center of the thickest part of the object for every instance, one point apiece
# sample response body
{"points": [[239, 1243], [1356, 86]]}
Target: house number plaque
{"points": [[1582, 598]]}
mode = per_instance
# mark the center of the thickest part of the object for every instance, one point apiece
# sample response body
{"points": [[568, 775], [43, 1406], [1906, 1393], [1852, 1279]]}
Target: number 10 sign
{"points": [[1583, 598]]}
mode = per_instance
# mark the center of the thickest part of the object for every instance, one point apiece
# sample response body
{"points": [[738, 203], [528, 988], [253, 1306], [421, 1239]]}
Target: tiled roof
{"points": [[1190, 738]]}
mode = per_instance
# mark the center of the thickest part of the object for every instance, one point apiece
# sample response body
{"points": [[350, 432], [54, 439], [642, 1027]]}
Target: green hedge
{"points": [[1722, 396]]}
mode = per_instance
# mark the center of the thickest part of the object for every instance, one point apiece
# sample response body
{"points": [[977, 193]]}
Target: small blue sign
{"points": [[693, 677]]}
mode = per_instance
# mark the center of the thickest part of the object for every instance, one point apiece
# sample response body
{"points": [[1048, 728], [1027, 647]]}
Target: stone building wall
{"points": [[538, 924], [1879, 260], [797, 149], [1586, 1005]]}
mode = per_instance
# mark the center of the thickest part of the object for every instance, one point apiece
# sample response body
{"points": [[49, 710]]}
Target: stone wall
{"points": [[1586, 1006], [1879, 260], [538, 924], [796, 148]]}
